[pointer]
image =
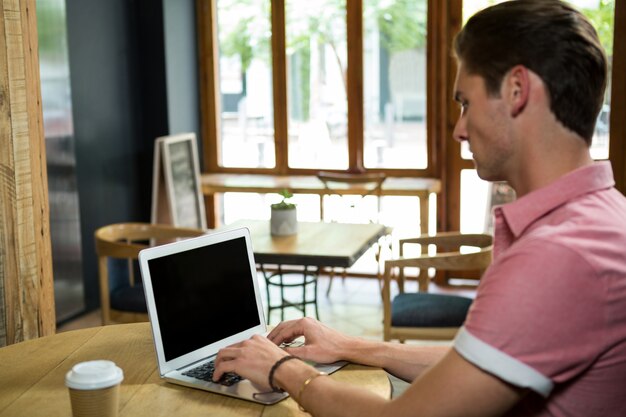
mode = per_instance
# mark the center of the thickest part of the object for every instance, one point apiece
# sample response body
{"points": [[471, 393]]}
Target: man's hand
{"points": [[251, 359], [321, 344]]}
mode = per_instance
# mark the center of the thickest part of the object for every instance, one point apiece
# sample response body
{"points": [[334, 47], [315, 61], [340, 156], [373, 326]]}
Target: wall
{"points": [[181, 66], [125, 93]]}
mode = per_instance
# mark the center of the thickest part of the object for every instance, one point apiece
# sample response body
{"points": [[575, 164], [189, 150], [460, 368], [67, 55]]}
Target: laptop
{"points": [[202, 295]]}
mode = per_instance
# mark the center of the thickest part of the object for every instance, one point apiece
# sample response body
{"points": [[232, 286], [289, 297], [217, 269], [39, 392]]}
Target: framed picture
{"points": [[176, 195]]}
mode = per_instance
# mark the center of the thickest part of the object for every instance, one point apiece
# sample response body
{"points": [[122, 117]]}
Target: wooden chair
{"points": [[117, 247], [423, 315], [360, 185]]}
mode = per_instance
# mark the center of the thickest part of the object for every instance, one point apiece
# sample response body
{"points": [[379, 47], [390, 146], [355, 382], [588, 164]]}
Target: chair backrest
{"points": [[124, 241], [372, 181], [354, 184], [453, 259]]}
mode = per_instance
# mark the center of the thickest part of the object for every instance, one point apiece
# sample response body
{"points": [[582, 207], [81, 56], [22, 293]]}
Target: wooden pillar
{"points": [[26, 289], [617, 144]]}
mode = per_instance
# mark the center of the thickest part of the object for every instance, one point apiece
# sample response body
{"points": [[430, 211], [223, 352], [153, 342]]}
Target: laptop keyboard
{"points": [[205, 373]]}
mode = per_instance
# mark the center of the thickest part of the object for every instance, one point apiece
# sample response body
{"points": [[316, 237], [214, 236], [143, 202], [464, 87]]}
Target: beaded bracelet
{"points": [[273, 369], [302, 388]]}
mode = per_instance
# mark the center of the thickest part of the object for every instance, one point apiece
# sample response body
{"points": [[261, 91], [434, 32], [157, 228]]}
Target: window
{"points": [[602, 15], [317, 61], [285, 94], [246, 138], [395, 84]]}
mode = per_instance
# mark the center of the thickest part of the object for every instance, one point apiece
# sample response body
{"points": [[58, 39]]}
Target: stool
{"points": [[278, 279]]}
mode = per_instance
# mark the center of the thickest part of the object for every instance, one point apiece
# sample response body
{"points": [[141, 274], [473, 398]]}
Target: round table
{"points": [[32, 376]]}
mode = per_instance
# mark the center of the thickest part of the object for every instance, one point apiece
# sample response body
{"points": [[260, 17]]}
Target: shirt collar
{"points": [[527, 209]]}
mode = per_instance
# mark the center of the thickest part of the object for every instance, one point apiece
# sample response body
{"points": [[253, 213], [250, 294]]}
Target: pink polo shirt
{"points": [[550, 312]]}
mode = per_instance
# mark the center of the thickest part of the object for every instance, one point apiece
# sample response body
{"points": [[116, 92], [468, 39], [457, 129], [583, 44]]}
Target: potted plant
{"points": [[283, 219]]}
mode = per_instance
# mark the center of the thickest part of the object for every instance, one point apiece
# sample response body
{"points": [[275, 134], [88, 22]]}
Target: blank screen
{"points": [[203, 296]]}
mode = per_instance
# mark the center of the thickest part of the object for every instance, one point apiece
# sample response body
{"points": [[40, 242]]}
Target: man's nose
{"points": [[460, 130]]}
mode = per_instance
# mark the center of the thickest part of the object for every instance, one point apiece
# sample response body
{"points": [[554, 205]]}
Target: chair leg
{"points": [[331, 274], [379, 267], [317, 272]]}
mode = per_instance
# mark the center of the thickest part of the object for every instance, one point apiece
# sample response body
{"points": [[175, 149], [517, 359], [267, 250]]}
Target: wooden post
{"points": [[356, 121], [26, 288], [617, 143]]}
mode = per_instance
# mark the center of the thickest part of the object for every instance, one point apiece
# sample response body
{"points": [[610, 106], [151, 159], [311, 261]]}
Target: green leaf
{"points": [[284, 204]]}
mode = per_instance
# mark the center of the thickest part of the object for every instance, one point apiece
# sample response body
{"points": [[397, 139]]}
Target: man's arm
{"points": [[407, 362], [325, 345], [453, 387]]}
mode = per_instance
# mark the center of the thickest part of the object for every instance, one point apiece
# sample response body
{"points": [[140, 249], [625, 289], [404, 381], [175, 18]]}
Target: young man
{"points": [[546, 334]]}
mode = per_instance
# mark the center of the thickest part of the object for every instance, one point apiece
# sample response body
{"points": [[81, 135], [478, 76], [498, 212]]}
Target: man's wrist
{"points": [[358, 350], [276, 365], [289, 375]]}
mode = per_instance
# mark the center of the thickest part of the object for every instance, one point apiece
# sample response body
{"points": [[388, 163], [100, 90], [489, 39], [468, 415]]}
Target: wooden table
{"points": [[316, 245], [32, 376], [310, 184]]}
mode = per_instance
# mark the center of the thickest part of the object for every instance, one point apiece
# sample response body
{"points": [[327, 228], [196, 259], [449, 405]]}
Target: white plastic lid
{"points": [[94, 375]]}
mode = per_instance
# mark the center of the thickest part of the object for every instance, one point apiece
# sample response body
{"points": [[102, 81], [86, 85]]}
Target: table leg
{"points": [[424, 207], [277, 279], [282, 294], [267, 292], [316, 276], [317, 312]]}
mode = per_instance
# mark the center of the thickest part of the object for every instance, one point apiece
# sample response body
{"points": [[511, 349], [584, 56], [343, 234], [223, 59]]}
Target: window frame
{"points": [[209, 93], [617, 130], [444, 19]]}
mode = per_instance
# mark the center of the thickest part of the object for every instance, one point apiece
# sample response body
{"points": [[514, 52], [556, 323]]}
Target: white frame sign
{"points": [[176, 195]]}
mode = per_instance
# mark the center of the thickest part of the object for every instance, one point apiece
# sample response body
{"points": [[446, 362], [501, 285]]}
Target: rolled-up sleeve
{"points": [[535, 320]]}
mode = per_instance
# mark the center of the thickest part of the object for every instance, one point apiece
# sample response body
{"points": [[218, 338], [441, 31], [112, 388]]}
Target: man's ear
{"points": [[518, 88]]}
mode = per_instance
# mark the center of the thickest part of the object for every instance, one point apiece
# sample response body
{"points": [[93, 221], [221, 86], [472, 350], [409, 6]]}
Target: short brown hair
{"points": [[550, 38]]}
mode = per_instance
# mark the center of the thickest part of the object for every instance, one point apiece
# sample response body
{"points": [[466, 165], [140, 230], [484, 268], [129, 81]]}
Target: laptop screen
{"points": [[203, 295]]}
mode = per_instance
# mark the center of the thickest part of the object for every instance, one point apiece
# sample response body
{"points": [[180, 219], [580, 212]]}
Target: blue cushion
{"points": [[129, 299], [429, 310], [118, 274], [122, 295]]}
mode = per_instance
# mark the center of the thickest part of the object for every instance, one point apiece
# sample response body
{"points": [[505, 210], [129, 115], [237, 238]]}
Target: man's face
{"points": [[483, 123]]}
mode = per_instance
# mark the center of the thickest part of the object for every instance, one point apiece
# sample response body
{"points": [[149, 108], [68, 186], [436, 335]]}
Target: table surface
{"points": [[316, 243], [32, 378], [310, 184]]}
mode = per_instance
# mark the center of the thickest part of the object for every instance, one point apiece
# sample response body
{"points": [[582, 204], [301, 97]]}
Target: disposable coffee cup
{"points": [[94, 388]]}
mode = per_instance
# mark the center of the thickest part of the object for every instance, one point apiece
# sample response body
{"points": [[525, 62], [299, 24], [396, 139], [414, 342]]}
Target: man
{"points": [[546, 334]]}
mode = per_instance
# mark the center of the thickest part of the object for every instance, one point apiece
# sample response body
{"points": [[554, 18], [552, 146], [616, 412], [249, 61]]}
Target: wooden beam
{"points": [[209, 63], [617, 144], [279, 85], [26, 287], [209, 103], [449, 23], [354, 23]]}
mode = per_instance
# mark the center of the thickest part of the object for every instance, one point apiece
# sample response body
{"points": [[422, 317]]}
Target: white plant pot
{"points": [[283, 222]]}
